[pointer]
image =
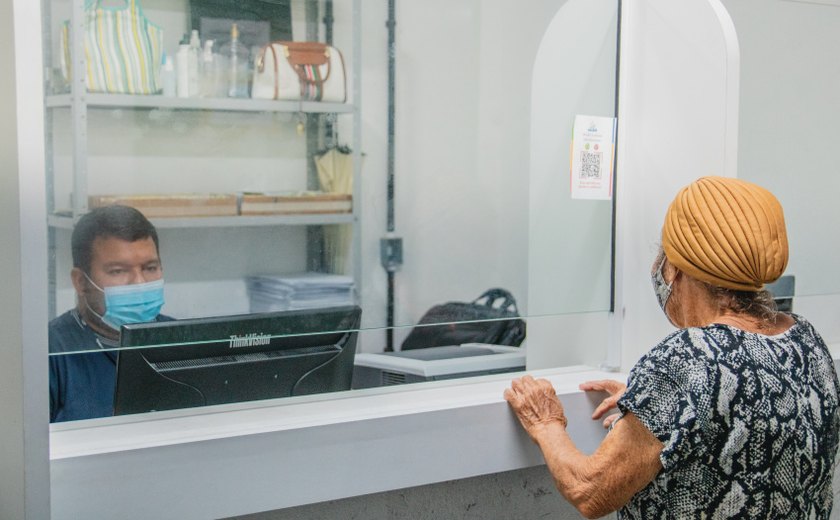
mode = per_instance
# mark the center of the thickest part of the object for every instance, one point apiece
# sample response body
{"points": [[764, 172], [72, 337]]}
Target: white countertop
{"points": [[239, 459]]}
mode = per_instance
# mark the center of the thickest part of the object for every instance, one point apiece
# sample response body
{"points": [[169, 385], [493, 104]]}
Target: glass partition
{"points": [[274, 200]]}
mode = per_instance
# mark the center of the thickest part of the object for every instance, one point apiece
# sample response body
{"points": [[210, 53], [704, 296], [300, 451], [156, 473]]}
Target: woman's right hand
{"points": [[615, 389]]}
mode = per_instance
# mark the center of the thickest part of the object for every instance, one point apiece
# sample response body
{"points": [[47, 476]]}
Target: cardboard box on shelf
{"points": [[175, 205], [298, 203]]}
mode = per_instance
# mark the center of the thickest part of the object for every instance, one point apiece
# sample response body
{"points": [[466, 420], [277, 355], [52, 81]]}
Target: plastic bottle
{"points": [[194, 63], [182, 65], [167, 77], [208, 71], [237, 65]]}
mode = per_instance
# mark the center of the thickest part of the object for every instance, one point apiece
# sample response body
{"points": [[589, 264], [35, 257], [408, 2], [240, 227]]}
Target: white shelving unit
{"points": [[93, 100], [60, 222], [82, 103]]}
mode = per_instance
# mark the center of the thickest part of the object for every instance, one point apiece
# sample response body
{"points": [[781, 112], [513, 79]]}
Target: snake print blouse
{"points": [[749, 424]]}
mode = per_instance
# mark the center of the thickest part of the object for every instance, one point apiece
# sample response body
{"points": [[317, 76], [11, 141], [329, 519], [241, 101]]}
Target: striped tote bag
{"points": [[123, 49]]}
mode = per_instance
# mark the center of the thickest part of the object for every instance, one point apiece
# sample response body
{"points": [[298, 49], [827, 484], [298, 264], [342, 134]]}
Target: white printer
{"points": [[435, 363]]}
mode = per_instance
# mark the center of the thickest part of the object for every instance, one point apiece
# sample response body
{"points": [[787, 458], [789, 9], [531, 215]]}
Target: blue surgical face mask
{"points": [[137, 303], [660, 287]]}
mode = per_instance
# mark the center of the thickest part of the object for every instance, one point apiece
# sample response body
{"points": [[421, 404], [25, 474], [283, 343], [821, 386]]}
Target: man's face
{"points": [[117, 262]]}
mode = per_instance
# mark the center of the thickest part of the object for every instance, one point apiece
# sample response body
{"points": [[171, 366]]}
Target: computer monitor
{"points": [[228, 359]]}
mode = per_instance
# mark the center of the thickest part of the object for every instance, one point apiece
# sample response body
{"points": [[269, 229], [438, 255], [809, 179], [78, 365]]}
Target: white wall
{"points": [[790, 79]]}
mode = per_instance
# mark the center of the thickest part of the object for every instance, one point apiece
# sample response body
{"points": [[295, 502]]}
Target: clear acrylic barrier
{"points": [[486, 98]]}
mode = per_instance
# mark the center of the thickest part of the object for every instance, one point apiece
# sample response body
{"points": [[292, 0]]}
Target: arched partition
{"points": [[677, 120]]}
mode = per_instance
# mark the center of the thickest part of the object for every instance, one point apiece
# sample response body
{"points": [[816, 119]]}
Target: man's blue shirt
{"points": [[81, 384]]}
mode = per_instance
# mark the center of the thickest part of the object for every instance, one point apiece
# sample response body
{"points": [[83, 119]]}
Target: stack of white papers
{"points": [[269, 293]]}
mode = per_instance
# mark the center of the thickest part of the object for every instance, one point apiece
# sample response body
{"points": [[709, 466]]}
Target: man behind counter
{"points": [[118, 279]]}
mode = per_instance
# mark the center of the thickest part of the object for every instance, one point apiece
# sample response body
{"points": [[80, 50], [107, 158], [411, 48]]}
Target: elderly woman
{"points": [[735, 415]]}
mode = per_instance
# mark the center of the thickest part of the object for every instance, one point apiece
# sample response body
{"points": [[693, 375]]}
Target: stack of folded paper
{"points": [[269, 293]]}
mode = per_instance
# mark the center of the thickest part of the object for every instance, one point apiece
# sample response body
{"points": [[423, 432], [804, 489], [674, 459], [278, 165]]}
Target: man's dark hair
{"points": [[122, 222]]}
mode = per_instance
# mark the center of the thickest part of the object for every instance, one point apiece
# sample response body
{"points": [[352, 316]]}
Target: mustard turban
{"points": [[726, 232]]}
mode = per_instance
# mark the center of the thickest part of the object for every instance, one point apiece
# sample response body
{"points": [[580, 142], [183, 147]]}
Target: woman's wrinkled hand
{"points": [[615, 389], [535, 403]]}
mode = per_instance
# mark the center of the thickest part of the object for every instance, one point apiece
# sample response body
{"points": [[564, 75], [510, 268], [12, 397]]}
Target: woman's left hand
{"points": [[616, 389], [535, 403]]}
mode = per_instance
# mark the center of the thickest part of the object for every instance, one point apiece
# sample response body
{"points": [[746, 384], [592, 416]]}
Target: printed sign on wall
{"points": [[593, 149]]}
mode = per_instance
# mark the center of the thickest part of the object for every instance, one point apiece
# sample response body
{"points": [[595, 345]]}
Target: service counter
{"points": [[231, 460]]}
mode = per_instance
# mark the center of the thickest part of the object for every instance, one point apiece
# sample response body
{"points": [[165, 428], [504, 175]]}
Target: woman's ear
{"points": [[670, 272]]}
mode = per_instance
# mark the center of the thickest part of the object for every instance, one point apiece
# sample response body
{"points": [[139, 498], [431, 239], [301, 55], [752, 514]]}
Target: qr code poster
{"points": [[593, 149]]}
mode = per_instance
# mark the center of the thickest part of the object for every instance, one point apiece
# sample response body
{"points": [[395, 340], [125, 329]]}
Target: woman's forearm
{"points": [[625, 462], [600, 483], [571, 470]]}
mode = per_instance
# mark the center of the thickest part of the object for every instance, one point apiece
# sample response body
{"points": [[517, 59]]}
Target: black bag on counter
{"points": [[480, 321]]}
